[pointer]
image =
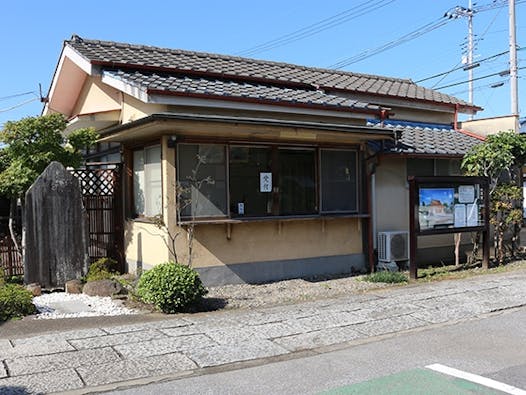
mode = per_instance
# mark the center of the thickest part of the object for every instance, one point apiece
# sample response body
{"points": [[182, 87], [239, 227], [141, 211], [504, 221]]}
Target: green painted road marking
{"points": [[414, 382]]}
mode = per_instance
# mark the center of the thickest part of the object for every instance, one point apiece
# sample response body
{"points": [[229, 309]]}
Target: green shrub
{"points": [[171, 287], [386, 277], [102, 269], [15, 301], [15, 280]]}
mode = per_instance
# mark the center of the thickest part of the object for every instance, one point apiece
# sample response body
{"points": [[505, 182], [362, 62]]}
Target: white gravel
{"points": [[63, 305]]}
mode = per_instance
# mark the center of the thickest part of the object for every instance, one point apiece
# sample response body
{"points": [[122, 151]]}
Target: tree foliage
{"points": [[31, 144], [500, 158], [497, 158]]}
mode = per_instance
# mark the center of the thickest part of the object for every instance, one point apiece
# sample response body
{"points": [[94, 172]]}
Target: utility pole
{"points": [[514, 89], [470, 52], [462, 12]]}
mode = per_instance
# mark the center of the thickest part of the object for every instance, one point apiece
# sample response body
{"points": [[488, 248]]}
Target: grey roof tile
{"points": [[231, 67], [178, 84], [426, 139]]}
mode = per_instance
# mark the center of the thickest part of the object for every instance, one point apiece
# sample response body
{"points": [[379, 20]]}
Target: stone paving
{"points": [[87, 358]]}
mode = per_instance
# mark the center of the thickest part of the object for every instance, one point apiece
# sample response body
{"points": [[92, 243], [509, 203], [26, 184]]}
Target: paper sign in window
{"points": [[265, 182]]}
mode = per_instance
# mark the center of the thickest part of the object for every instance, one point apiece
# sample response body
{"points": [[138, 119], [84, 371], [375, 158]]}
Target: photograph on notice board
{"points": [[436, 208]]}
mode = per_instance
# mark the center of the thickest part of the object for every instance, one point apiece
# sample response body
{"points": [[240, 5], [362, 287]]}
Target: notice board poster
{"points": [[449, 207]]}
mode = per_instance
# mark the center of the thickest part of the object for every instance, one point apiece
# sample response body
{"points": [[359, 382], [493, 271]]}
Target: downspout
{"points": [[455, 124], [370, 231]]}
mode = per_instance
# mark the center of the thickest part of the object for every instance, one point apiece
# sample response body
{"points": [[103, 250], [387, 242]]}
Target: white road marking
{"points": [[475, 378]]}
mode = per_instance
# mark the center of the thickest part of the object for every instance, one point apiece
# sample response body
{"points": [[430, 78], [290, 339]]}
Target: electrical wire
{"points": [[411, 36], [474, 79], [482, 87], [352, 13], [391, 44], [17, 95], [18, 105], [459, 68]]}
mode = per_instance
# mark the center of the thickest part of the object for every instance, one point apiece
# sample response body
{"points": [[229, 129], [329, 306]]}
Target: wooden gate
{"points": [[10, 260], [102, 196]]}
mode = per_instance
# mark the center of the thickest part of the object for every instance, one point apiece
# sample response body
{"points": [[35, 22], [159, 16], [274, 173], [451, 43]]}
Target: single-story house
{"points": [[275, 170]]}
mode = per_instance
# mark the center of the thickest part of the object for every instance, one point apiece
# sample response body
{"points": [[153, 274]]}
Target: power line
{"points": [[391, 44], [414, 34], [18, 105], [458, 68], [17, 95], [315, 28], [474, 79]]}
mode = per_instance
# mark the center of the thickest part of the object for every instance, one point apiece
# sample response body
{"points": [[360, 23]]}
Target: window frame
{"points": [[186, 218], [132, 206], [357, 183], [274, 148]]}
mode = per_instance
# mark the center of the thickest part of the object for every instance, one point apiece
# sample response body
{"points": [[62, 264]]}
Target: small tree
{"points": [[185, 200], [30, 145], [500, 158]]}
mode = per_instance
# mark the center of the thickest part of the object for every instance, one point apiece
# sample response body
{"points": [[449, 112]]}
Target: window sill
{"points": [[219, 221]]}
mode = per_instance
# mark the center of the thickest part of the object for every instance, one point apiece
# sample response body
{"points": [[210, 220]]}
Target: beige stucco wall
{"points": [[484, 127], [215, 245], [97, 97], [276, 240], [392, 205], [133, 109], [144, 245], [405, 114]]}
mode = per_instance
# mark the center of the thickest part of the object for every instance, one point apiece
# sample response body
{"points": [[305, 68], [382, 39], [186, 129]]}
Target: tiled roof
{"points": [[426, 138], [199, 86], [140, 57]]}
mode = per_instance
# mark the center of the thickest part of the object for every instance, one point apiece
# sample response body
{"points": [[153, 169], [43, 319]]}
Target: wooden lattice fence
{"points": [[10, 260], [102, 197]]}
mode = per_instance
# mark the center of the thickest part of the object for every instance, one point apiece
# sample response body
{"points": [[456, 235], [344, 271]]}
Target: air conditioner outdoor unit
{"points": [[393, 246]]}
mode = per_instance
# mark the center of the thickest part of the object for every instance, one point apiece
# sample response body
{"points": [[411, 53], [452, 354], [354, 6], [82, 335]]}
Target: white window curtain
{"points": [[147, 181]]}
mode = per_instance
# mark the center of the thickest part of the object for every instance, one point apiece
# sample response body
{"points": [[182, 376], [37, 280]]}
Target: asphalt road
{"points": [[493, 347]]}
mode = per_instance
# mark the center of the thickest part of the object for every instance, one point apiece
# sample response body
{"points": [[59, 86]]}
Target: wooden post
{"points": [[485, 232], [413, 267]]}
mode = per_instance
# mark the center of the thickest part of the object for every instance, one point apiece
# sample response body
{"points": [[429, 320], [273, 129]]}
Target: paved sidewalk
{"points": [[86, 358]]}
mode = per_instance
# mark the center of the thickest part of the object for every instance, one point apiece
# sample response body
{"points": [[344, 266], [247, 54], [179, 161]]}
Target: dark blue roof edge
{"points": [[413, 124]]}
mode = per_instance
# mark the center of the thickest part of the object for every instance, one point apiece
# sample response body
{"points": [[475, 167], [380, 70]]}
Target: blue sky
{"points": [[32, 33]]}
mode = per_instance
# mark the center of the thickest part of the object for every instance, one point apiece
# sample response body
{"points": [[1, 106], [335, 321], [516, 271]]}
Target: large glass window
{"points": [[433, 167], [338, 181], [218, 180], [202, 180], [297, 181], [249, 167], [147, 184]]}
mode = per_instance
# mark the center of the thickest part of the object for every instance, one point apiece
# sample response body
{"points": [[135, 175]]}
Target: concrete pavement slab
{"points": [[135, 368], [45, 344], [70, 306], [35, 348], [389, 325], [170, 323], [113, 340], [229, 353], [58, 336], [255, 332], [41, 383], [60, 361], [320, 338], [164, 346]]}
